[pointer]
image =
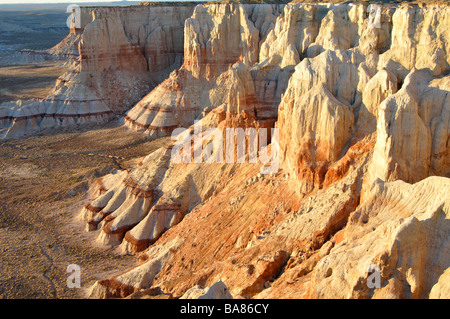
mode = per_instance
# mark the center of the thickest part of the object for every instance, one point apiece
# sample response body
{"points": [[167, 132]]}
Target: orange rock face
{"points": [[357, 206]]}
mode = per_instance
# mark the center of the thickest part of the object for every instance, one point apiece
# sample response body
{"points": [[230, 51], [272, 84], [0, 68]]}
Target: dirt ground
{"points": [[43, 185], [29, 81]]}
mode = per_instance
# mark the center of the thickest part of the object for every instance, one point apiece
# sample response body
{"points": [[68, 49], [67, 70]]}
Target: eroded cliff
{"points": [[122, 53], [358, 96]]}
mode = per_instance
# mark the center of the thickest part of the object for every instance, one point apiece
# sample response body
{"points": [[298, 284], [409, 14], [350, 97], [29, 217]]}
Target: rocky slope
{"points": [[360, 99], [356, 101]]}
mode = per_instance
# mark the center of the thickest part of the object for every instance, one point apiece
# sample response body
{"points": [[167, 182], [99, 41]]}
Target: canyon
{"points": [[358, 97]]}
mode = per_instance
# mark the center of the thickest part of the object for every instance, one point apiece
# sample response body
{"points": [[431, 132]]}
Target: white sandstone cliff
{"points": [[361, 103]]}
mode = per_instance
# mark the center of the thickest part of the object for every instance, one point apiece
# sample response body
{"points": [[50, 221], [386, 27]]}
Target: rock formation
{"points": [[408, 244], [215, 39], [418, 114], [362, 110], [122, 54], [358, 96]]}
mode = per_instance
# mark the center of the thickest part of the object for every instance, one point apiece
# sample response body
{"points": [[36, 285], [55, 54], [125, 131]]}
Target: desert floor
{"points": [[28, 81]]}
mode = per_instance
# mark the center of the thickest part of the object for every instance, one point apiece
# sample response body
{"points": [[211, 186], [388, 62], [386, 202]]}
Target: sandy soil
{"points": [[43, 184], [29, 81]]}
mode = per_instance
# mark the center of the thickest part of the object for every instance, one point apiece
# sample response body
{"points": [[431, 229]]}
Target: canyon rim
{"points": [[350, 100]]}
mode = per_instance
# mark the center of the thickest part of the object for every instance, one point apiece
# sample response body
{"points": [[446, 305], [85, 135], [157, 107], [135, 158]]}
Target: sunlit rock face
{"points": [[359, 98], [220, 67], [362, 110]]}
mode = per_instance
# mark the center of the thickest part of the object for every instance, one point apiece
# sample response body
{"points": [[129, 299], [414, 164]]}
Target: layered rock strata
{"points": [[360, 101], [220, 69], [122, 54]]}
